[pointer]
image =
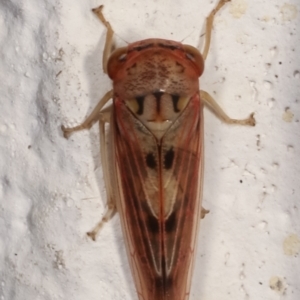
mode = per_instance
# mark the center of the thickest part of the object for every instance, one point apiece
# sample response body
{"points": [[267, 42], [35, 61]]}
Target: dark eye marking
{"points": [[168, 159], [171, 47], [170, 223], [140, 102], [175, 99], [150, 160]]}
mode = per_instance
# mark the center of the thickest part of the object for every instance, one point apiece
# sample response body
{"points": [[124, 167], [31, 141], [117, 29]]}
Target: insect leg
{"points": [[219, 112], [209, 25], [111, 207], [109, 37], [91, 119]]}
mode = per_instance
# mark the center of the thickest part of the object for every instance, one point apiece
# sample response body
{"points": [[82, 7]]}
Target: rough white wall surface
{"points": [[52, 190]]}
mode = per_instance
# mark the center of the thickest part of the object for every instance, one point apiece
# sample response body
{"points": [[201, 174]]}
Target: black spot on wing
{"points": [[168, 283], [170, 223], [150, 161], [168, 159], [152, 223], [163, 283]]}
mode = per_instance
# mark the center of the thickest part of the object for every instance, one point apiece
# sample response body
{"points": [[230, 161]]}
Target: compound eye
{"points": [[116, 60], [194, 56], [122, 57]]}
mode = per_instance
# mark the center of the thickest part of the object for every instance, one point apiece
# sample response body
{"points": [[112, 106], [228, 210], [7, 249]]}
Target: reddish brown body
{"points": [[153, 171], [157, 117]]}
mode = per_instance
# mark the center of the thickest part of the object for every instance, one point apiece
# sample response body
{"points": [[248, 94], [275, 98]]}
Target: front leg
{"points": [[91, 119], [209, 26], [109, 37]]}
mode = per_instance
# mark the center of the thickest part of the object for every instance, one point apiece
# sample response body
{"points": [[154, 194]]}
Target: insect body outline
{"points": [[153, 169]]}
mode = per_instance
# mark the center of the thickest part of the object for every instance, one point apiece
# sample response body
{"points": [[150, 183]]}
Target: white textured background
{"points": [[52, 190]]}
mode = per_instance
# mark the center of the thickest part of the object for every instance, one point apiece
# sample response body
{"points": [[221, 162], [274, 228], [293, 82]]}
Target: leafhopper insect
{"points": [[153, 165]]}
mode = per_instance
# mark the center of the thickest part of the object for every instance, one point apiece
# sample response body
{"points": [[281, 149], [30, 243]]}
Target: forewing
{"points": [[182, 156], [136, 150], [157, 191]]}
